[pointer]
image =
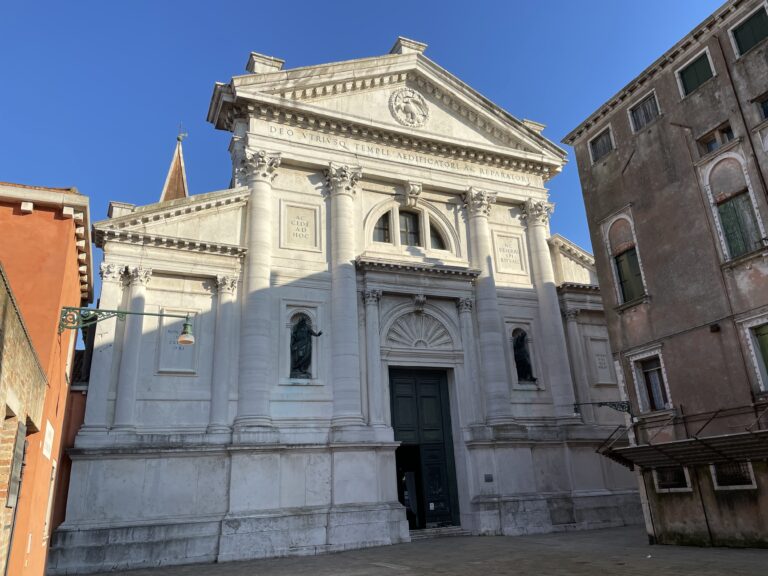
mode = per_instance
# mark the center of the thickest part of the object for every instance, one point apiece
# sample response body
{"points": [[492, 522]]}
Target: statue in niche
{"points": [[522, 356], [301, 347]]}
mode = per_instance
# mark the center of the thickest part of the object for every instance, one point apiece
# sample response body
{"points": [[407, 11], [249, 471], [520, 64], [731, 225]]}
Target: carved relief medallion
{"points": [[409, 107]]}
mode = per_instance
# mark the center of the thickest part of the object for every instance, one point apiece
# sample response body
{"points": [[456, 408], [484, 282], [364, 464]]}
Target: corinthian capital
{"points": [[537, 212], [372, 296], [226, 284], [479, 202], [342, 179], [261, 165], [464, 305], [139, 276], [110, 272]]}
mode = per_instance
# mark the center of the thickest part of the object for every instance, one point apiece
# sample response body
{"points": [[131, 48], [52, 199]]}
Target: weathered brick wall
{"points": [[22, 392]]}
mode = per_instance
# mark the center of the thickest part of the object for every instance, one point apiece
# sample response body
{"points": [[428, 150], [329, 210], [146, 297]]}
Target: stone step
{"points": [[443, 532]]}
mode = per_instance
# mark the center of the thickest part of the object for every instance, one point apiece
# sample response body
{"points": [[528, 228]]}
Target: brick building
{"points": [[45, 251]]}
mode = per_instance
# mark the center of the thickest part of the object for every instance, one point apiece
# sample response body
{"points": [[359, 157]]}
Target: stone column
{"points": [[130, 361], [221, 377], [96, 418], [473, 398], [578, 356], [536, 214], [373, 351], [494, 370], [256, 338], [345, 351]]}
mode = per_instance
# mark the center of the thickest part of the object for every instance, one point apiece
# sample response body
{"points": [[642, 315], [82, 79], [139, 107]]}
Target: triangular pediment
{"points": [[400, 93], [212, 221]]}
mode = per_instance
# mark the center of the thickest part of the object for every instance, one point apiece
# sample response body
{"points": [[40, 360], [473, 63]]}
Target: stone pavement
{"points": [[614, 552]]}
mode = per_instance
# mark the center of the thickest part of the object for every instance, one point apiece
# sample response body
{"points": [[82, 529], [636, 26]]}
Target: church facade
{"points": [[388, 337]]}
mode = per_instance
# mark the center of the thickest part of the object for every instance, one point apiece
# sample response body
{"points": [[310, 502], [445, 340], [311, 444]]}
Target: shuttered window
{"points": [[601, 145], [672, 478], [644, 113], [761, 336], [764, 107], [737, 218], [630, 277], [14, 481], [695, 74], [751, 31], [733, 475]]}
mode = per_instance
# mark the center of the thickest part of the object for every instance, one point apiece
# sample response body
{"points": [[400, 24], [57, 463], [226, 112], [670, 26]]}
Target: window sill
{"points": [[695, 90], [709, 156], [750, 50], [729, 265], [648, 126], [657, 416], [603, 158], [644, 299]]}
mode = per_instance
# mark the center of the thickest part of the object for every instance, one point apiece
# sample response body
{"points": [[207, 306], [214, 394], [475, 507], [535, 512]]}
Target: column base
{"points": [[355, 431], [258, 430]]}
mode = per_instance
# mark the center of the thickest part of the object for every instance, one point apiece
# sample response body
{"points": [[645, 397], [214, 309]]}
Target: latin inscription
{"points": [[508, 254], [300, 227], [407, 157]]}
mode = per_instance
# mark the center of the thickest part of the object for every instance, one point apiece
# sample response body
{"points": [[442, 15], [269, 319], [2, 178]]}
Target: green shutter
{"points": [[737, 218], [753, 30], [761, 334], [14, 481], [695, 74], [630, 277]]}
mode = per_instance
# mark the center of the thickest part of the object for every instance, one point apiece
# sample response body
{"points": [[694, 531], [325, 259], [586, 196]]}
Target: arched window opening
{"points": [[625, 260], [734, 208], [522, 356], [436, 240], [381, 232], [410, 234]]}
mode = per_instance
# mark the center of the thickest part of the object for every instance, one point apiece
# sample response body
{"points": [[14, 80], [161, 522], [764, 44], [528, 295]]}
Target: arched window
{"points": [[381, 230], [410, 234], [436, 240], [522, 356], [625, 260], [734, 208]]}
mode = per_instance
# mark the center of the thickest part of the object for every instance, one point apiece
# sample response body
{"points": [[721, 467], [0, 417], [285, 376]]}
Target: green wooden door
{"points": [[421, 421]]}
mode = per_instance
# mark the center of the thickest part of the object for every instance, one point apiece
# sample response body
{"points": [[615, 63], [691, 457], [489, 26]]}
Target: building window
{"points": [[601, 145], [695, 74], [521, 349], [763, 104], [672, 479], [644, 113], [410, 234], [737, 218], [750, 32], [435, 238], [761, 340], [733, 476], [715, 139], [653, 382], [630, 277], [381, 230]]}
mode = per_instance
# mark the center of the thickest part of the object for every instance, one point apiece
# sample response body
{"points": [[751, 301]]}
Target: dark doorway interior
{"points": [[426, 476]]}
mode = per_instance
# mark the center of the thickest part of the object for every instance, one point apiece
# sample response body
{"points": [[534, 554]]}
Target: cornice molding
{"points": [[136, 237], [395, 266], [571, 249], [423, 143]]}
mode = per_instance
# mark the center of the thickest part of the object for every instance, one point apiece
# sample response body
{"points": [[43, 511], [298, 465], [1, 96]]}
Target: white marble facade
{"points": [[214, 452]]}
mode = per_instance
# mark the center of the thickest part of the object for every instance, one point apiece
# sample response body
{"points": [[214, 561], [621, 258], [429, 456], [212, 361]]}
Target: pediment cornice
{"points": [[296, 96], [132, 228]]}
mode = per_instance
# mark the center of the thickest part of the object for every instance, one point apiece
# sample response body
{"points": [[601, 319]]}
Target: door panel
{"points": [[421, 422]]}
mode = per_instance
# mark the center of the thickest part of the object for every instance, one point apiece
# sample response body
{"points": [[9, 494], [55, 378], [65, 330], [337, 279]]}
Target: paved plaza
{"points": [[615, 552]]}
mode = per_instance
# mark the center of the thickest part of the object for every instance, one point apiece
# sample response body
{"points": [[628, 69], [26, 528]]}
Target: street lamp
{"points": [[73, 318]]}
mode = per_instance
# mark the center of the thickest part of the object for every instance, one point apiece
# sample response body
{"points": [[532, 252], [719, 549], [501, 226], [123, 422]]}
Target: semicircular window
{"points": [[436, 239], [381, 230]]}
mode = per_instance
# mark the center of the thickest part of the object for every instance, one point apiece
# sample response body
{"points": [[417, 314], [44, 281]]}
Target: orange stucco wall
{"points": [[39, 253]]}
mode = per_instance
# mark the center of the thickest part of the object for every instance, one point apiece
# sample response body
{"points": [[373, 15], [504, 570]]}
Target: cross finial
{"points": [[182, 134]]}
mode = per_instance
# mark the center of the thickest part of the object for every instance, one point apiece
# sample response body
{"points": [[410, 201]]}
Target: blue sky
{"points": [[93, 92]]}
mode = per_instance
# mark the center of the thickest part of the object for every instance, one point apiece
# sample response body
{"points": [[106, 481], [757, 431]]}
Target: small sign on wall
{"points": [[48, 439], [172, 356], [299, 227]]}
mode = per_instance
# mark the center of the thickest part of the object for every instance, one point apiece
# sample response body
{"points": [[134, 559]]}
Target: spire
{"points": [[176, 181]]}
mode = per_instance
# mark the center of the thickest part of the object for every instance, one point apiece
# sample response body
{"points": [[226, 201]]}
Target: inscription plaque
{"points": [[300, 227], [509, 254]]}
